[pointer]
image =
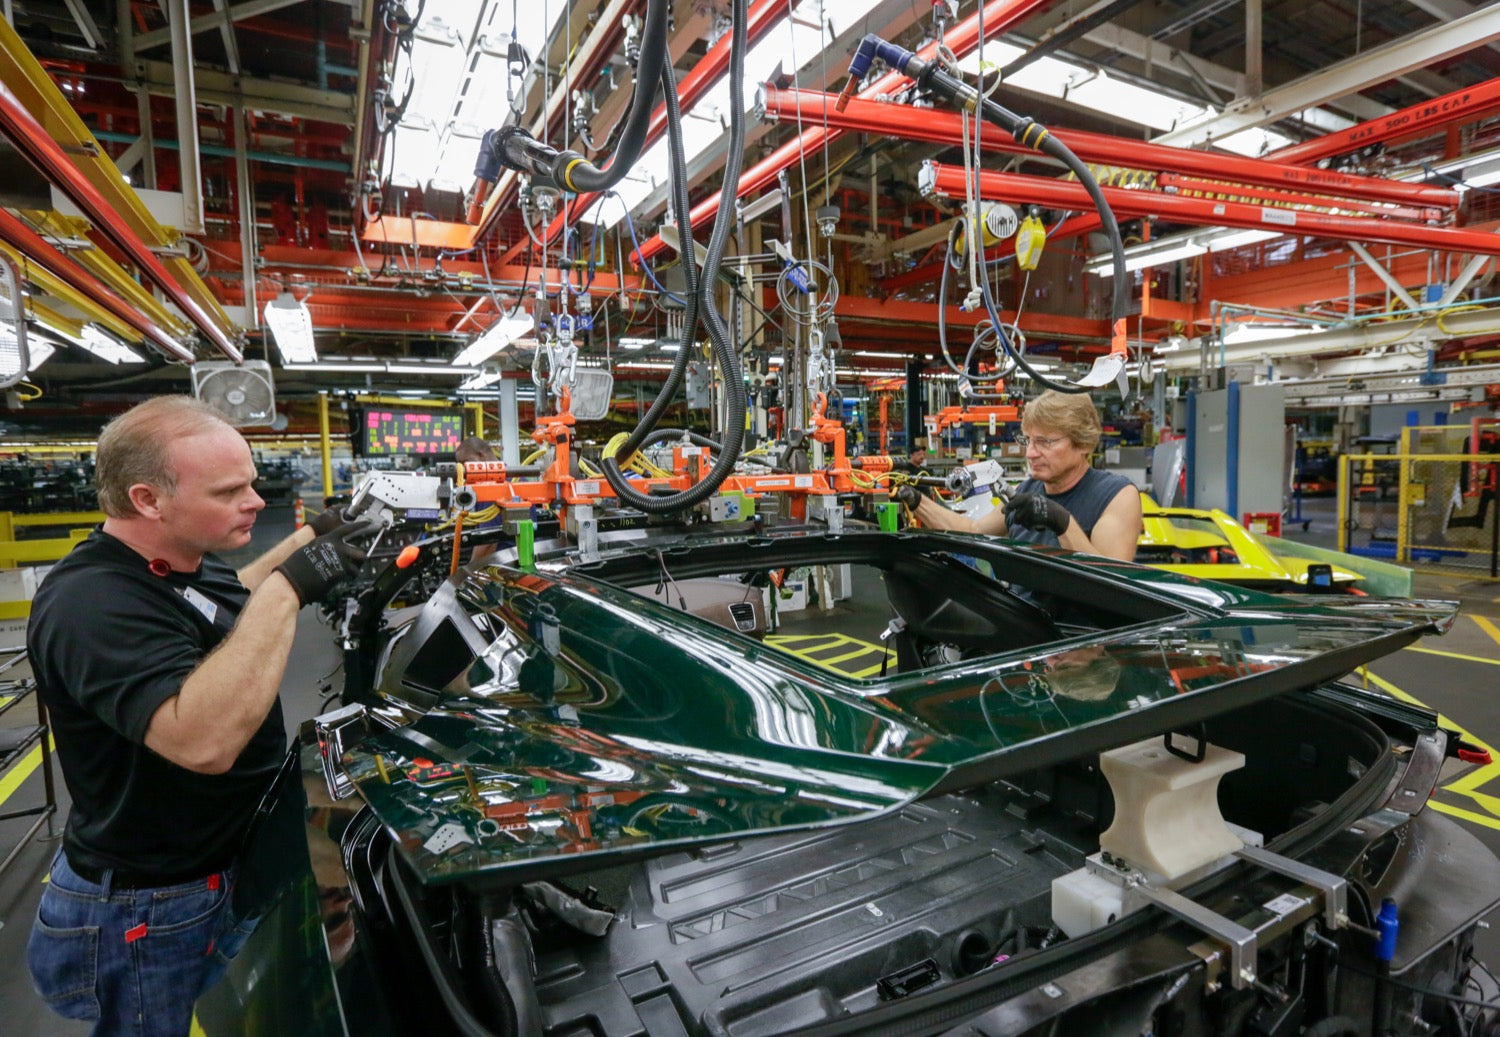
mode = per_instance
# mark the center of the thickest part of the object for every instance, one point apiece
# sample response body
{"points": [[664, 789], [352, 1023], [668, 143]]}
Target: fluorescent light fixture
{"points": [[876, 352], [1149, 254], [1480, 169], [1264, 333], [438, 60], [495, 338], [480, 380], [291, 327], [380, 367], [1230, 238], [653, 365], [106, 347], [636, 343]]}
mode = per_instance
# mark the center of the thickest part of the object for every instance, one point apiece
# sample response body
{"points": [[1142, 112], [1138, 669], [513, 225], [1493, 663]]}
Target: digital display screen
{"points": [[383, 431]]}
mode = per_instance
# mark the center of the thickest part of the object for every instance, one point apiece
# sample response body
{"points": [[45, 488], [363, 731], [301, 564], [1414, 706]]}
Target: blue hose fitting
{"points": [[1386, 924], [870, 48]]}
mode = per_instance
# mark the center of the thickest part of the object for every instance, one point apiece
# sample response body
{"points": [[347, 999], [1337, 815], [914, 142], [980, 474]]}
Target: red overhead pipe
{"points": [[36, 249], [760, 19], [946, 127], [38, 147], [1197, 187], [1064, 194], [999, 17], [1468, 103]]}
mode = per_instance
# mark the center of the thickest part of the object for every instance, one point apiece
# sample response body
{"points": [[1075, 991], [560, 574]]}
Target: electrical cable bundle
{"points": [[1028, 133], [700, 303]]}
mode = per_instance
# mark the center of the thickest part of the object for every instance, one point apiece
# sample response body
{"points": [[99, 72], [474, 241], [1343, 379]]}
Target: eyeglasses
{"points": [[1040, 442]]}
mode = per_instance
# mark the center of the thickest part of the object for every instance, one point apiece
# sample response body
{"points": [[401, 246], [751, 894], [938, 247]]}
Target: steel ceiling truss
{"points": [[1374, 66]]}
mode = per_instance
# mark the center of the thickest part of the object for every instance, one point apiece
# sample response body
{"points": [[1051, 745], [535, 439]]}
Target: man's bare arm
{"points": [[221, 704], [1115, 534], [935, 516]]}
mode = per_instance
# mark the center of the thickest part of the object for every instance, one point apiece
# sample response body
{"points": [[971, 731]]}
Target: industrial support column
{"points": [[510, 423], [187, 117], [245, 189], [914, 408], [325, 445]]}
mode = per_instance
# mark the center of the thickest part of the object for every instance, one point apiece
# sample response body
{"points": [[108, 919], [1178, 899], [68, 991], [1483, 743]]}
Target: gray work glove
{"points": [[907, 494], [316, 568], [1036, 511]]}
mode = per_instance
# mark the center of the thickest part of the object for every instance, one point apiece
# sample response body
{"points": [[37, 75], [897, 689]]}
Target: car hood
{"points": [[589, 722]]}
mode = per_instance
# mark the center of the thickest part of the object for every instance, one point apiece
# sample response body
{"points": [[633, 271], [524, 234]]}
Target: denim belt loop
{"points": [[106, 883]]}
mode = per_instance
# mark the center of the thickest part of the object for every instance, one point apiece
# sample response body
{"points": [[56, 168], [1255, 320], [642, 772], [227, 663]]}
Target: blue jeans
{"points": [[133, 961]]}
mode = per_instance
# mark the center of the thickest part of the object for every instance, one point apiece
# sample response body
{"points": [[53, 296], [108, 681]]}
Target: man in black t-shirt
{"points": [[159, 666]]}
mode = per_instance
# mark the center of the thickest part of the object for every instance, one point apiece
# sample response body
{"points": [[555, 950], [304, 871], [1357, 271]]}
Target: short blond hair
{"points": [[1072, 414], [136, 447]]}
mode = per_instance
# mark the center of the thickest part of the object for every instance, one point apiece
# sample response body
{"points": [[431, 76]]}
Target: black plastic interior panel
{"points": [[769, 936]]}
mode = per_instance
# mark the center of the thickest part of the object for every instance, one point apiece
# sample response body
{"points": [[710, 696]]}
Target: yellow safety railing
{"points": [[14, 552], [1445, 511]]}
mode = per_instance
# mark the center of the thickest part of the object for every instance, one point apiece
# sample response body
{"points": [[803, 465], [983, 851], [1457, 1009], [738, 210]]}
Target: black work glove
{"points": [[908, 494], [1036, 511], [327, 520], [316, 568]]}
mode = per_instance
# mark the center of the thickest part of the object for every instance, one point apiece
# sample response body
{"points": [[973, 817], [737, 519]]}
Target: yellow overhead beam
{"points": [[60, 289], [28, 80], [98, 263]]}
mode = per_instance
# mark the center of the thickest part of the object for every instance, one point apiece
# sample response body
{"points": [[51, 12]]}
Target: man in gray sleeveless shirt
{"points": [[1064, 502]]}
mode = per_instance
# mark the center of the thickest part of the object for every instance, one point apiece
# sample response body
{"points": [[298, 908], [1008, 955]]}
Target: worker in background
{"points": [[160, 667], [916, 460], [475, 449], [1064, 501]]}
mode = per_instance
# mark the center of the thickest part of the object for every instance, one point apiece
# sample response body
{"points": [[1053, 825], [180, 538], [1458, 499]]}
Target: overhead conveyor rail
{"points": [[948, 181], [945, 127], [44, 129]]}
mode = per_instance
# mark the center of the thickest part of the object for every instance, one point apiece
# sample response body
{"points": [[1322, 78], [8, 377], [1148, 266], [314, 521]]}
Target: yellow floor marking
{"points": [[19, 773], [1466, 785], [830, 642], [1487, 627], [873, 671], [1455, 655], [863, 649]]}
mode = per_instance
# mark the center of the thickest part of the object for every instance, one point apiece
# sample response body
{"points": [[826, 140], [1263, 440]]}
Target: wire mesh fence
{"points": [[1433, 507]]}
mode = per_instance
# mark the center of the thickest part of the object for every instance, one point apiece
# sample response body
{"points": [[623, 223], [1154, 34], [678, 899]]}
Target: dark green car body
{"points": [[577, 717]]}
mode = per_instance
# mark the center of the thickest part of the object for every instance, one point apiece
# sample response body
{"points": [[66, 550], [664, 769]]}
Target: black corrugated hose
{"points": [[700, 289]]}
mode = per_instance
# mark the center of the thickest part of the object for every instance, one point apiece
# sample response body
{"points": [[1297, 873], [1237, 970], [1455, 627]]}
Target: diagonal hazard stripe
{"points": [[1454, 655], [1468, 785], [1488, 627], [814, 649]]}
